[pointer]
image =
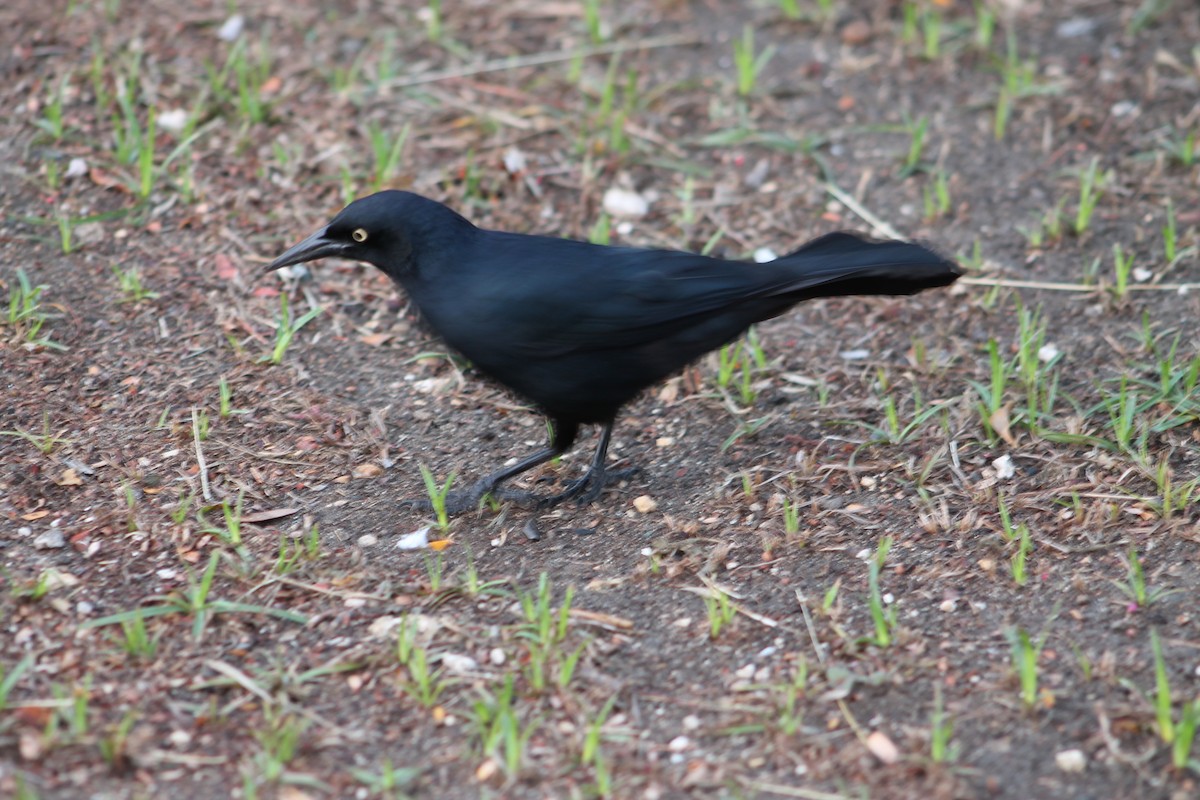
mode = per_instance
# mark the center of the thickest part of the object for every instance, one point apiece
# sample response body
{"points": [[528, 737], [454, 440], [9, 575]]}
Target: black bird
{"points": [[579, 329]]}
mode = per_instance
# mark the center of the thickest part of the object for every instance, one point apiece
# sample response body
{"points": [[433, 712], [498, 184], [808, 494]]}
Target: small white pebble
{"points": [[691, 722], [368, 540], [664, 441], [1071, 760], [172, 120], [84, 608], [863, 555], [1047, 353], [620, 202], [1141, 274], [52, 539], [764, 255], [1004, 467], [854, 355], [497, 656], [77, 168], [679, 744], [231, 28], [746, 671], [458, 663], [514, 160]]}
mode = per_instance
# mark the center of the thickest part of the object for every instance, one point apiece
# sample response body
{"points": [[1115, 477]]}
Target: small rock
{"points": [[1004, 467], [1047, 353], [679, 744], [645, 504], [77, 168], [497, 656], [882, 747], [764, 255], [84, 608], [514, 160], [368, 470], [458, 663], [1141, 274], [691, 722], [52, 539], [856, 32], [232, 28], [531, 531], [89, 233], [664, 441], [625, 203], [854, 355], [1075, 27], [1071, 760], [172, 121]]}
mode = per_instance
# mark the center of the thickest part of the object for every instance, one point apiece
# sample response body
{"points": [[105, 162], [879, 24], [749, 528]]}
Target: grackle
{"points": [[580, 329]]}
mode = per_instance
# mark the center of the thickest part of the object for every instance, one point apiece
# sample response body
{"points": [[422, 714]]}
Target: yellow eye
{"points": [[359, 235]]}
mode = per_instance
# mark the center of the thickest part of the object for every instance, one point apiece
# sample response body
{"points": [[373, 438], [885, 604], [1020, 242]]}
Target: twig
{"points": [[538, 59], [881, 228], [200, 462], [1075, 287], [812, 630]]}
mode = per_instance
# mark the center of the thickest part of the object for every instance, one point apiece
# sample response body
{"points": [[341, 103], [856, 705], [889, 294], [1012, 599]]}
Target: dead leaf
{"points": [[69, 477], [375, 339], [269, 514], [439, 544], [999, 422], [35, 515], [226, 271]]}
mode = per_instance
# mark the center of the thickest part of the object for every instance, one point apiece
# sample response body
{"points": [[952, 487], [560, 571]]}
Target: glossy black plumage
{"points": [[579, 329]]}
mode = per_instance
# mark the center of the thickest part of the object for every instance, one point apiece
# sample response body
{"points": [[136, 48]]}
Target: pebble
{"points": [[1071, 760], [232, 28], [1004, 467], [172, 120], [645, 504], [856, 32], [368, 540], [531, 531], [620, 202], [679, 744], [52, 539]]}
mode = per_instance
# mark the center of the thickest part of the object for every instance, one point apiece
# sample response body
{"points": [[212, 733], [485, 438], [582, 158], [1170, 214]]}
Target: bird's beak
{"points": [[319, 245]]}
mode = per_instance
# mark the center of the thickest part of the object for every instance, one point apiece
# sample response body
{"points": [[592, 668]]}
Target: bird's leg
{"points": [[588, 487], [562, 436]]}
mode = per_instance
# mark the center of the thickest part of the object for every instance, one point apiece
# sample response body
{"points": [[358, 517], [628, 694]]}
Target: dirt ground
{"points": [[933, 547]]}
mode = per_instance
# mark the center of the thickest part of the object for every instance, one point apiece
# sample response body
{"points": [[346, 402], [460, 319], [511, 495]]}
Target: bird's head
{"points": [[387, 229]]}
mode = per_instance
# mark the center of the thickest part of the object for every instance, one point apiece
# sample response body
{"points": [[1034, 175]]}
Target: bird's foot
{"points": [[586, 489]]}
